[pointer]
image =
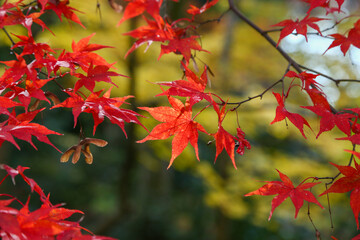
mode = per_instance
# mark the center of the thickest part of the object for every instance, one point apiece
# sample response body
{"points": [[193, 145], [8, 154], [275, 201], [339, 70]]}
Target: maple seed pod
{"points": [[52, 97], [87, 153], [77, 154], [116, 5], [65, 157], [96, 141], [35, 105]]}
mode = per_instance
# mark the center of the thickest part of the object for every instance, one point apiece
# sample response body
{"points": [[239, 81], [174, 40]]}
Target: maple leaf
{"points": [[329, 120], [176, 121], [355, 139], [100, 107], [344, 42], [4, 10], [18, 17], [174, 39], [182, 46], [318, 98], [61, 8], [20, 171], [137, 7], [18, 68], [285, 189], [299, 26], [350, 182], [241, 142], [307, 79], [193, 87], [83, 54], [195, 10], [282, 113], [324, 4], [45, 221], [98, 73], [29, 47], [223, 139], [21, 127], [8, 220], [6, 103]]}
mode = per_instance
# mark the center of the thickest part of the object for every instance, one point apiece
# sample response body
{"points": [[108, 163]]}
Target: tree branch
{"points": [[263, 33]]}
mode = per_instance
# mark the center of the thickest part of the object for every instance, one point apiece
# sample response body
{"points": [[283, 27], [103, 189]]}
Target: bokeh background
{"points": [[127, 192]]}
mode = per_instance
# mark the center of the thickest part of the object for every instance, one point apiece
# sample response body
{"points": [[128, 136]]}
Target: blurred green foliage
{"points": [[128, 193]]}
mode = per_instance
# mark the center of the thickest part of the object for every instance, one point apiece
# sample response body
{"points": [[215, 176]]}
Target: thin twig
{"points": [[336, 81], [214, 20], [261, 94], [8, 35]]}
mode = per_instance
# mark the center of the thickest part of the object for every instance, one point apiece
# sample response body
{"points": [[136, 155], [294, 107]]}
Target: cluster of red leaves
{"points": [[301, 26], [178, 121], [176, 36], [47, 222], [24, 95], [37, 65], [345, 121]]}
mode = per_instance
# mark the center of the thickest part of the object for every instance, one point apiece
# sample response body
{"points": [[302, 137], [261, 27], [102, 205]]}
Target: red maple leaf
{"points": [[6, 103], [29, 47], [18, 17], [182, 46], [18, 68], [176, 121], [318, 98], [4, 11], [32, 184], [223, 139], [285, 189], [329, 120], [83, 54], [62, 7], [175, 39], [344, 42], [98, 73], [137, 7], [22, 128], [241, 142], [350, 182], [307, 79], [100, 107], [324, 4], [299, 26], [193, 87], [282, 113], [195, 10]]}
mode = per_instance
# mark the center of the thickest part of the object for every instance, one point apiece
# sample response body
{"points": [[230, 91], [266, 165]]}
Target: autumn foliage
{"points": [[23, 92]]}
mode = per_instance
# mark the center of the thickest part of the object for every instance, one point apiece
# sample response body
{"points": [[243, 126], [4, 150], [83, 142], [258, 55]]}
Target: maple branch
{"points": [[263, 33], [214, 20], [261, 94], [289, 59], [329, 205], [8, 35], [337, 175], [336, 81], [317, 233]]}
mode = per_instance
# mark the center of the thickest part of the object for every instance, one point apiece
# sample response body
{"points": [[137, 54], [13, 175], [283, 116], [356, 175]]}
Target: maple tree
{"points": [[24, 89]]}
